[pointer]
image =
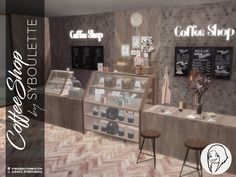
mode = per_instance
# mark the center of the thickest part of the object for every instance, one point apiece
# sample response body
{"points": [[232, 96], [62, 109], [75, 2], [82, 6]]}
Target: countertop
{"points": [[207, 117]]}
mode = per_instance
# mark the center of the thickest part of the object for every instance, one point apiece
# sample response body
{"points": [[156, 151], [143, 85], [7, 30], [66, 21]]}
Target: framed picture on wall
{"points": [[125, 50], [136, 42], [146, 43]]}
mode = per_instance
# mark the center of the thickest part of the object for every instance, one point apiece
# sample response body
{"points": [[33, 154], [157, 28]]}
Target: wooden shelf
{"points": [[138, 91], [103, 118]]}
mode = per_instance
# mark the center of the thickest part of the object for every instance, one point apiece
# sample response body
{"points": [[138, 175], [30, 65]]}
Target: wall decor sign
{"points": [[125, 50], [135, 42], [223, 62], [182, 61], [212, 31], [79, 34]]}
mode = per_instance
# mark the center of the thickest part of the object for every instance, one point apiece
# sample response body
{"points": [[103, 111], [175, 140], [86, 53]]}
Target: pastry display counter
{"points": [[58, 82], [113, 103], [176, 127], [63, 83], [64, 100]]}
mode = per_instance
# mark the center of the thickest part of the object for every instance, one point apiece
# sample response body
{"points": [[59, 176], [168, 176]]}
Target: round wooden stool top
{"points": [[196, 144], [150, 134]]}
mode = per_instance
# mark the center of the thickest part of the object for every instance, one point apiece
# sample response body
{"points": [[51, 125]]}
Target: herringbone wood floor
{"points": [[72, 154]]}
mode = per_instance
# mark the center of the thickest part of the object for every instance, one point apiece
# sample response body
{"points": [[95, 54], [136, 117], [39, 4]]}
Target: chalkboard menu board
{"points": [[208, 60], [182, 60], [202, 59], [223, 62], [86, 57]]}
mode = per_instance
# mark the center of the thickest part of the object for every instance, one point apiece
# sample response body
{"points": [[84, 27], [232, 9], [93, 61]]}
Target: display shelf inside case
{"points": [[114, 101], [122, 131], [123, 116]]}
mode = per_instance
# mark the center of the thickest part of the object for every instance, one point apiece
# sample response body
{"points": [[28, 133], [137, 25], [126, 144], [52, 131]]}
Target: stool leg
{"points": [[140, 149], [197, 159], [185, 158], [200, 163], [154, 151]]}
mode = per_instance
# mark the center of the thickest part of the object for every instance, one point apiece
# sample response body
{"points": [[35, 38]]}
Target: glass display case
{"points": [[57, 82], [63, 83], [113, 102]]}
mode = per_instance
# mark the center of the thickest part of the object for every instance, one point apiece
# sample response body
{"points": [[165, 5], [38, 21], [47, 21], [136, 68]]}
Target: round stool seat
{"points": [[150, 134], [195, 144]]}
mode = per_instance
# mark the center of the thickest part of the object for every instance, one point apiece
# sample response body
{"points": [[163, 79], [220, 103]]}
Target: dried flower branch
{"points": [[200, 84]]}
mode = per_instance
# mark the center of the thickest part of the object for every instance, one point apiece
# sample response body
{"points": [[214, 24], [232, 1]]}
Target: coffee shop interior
{"points": [[135, 88]]}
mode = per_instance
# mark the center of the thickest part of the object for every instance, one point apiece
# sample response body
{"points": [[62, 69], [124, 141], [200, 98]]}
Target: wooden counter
{"points": [[176, 127], [65, 112]]}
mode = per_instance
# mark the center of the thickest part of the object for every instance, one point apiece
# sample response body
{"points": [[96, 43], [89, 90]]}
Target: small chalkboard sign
{"points": [[182, 60], [202, 59], [86, 57], [223, 62]]}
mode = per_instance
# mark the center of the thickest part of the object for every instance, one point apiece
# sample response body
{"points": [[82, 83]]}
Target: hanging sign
{"points": [[212, 30], [79, 34]]}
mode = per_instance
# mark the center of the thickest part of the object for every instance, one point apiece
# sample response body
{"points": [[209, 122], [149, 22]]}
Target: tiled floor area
{"points": [[72, 154]]}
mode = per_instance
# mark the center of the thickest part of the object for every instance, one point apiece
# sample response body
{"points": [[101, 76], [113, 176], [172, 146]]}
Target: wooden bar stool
{"points": [[149, 134], [196, 145]]}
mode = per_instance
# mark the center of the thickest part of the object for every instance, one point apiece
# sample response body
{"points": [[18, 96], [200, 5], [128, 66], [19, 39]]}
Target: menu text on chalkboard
{"points": [[223, 62], [182, 60], [212, 61], [202, 60]]}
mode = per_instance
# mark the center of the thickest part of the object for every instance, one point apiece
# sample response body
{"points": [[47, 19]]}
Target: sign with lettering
{"points": [[223, 62], [202, 59], [182, 60], [79, 34], [212, 31], [24, 90]]}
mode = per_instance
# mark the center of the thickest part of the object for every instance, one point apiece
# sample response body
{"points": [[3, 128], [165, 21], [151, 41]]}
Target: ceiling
{"points": [[79, 7]]}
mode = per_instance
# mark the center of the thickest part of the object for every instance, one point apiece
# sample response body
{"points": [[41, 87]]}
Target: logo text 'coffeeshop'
{"points": [[212, 31]]}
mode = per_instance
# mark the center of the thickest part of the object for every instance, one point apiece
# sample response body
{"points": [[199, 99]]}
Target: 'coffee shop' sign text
{"points": [[89, 35], [212, 30]]}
